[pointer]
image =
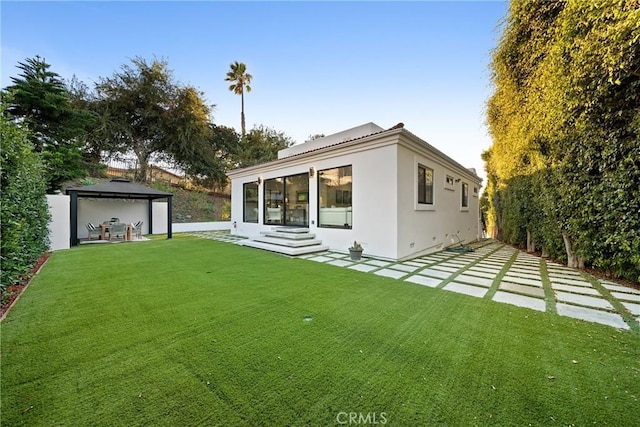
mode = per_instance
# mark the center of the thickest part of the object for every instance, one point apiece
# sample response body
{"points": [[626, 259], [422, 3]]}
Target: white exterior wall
{"points": [[59, 209], [97, 211], [387, 219], [373, 200], [160, 211], [182, 227], [423, 229]]}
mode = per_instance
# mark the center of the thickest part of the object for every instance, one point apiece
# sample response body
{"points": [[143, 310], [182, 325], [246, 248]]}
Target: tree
{"points": [[260, 145], [241, 80], [314, 137], [141, 109], [25, 215], [209, 166], [41, 100], [564, 163]]}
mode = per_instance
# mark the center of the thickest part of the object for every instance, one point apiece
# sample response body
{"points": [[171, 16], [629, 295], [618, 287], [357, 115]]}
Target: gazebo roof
{"points": [[119, 189]]}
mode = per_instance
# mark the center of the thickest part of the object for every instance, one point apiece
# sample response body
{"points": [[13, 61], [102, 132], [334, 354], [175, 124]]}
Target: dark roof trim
{"points": [[119, 189]]}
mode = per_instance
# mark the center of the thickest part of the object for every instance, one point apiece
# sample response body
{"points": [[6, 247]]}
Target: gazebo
{"points": [[117, 189]]}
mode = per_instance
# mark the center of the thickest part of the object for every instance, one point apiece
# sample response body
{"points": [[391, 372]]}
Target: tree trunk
{"points": [[571, 257], [573, 260], [531, 246], [143, 166], [545, 252], [242, 114]]}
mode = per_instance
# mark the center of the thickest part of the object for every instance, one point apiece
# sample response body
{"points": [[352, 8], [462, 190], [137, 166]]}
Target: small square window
{"points": [[448, 182]]}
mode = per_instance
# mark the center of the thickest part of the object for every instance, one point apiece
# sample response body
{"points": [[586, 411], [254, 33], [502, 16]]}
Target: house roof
{"points": [[361, 131], [308, 147], [119, 189]]}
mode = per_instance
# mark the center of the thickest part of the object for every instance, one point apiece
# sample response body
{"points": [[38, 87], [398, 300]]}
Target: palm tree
{"points": [[241, 79]]}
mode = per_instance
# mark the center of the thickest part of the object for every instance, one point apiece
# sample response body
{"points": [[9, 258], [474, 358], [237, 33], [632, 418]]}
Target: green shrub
{"points": [[25, 213]]}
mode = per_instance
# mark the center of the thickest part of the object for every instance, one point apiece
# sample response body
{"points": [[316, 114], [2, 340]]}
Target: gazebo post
{"points": [[169, 215], [73, 220], [150, 214]]}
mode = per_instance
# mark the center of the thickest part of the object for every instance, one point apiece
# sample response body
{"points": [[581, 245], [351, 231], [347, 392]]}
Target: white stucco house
{"points": [[388, 189]]}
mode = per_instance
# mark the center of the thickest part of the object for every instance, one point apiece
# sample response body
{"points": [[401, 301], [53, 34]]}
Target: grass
{"points": [[199, 332]]}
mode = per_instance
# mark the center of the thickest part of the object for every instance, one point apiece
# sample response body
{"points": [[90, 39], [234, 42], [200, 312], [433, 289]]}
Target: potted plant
{"points": [[355, 251]]}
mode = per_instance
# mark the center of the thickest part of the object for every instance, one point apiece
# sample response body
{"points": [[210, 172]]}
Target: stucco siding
{"points": [[428, 228], [374, 200]]}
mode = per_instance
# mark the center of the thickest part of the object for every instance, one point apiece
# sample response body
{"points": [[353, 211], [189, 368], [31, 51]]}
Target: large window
{"points": [[250, 202], [335, 193], [274, 201], [286, 200], [465, 195], [425, 185]]}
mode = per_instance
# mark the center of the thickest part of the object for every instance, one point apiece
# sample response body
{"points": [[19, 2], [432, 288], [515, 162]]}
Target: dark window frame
{"points": [[346, 226], [425, 197], [244, 201], [464, 202]]}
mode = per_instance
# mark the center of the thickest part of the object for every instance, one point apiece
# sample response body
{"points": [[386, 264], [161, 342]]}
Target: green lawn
{"points": [[197, 332]]}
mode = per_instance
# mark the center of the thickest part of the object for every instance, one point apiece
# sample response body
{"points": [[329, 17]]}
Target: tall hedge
{"points": [[24, 213], [564, 166]]}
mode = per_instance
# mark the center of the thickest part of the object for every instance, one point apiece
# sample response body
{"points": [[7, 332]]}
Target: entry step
{"points": [[288, 236], [293, 243], [291, 230], [287, 250]]}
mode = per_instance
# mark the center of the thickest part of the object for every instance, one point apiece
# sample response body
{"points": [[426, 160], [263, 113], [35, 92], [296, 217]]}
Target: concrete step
{"points": [[290, 236], [291, 230], [284, 249], [292, 243]]}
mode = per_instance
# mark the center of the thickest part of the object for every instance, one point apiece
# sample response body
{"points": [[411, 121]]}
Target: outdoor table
{"points": [[104, 228]]}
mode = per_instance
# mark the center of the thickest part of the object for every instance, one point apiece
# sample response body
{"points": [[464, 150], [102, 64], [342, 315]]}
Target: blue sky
{"points": [[318, 67]]}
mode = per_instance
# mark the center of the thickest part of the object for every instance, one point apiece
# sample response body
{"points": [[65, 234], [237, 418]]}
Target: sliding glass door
{"points": [[286, 200], [297, 200]]}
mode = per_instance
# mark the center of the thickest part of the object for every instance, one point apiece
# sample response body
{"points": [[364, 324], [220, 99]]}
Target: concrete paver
{"points": [[520, 300], [435, 273], [570, 281], [365, 268], [522, 289], [377, 263], [524, 272], [415, 264], [575, 289], [617, 287], [387, 272], [479, 281], [402, 267], [583, 300], [626, 297], [461, 288], [591, 315], [336, 255], [632, 307], [491, 270], [474, 272], [427, 260], [340, 263], [443, 267], [321, 259], [423, 280], [522, 281]]}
